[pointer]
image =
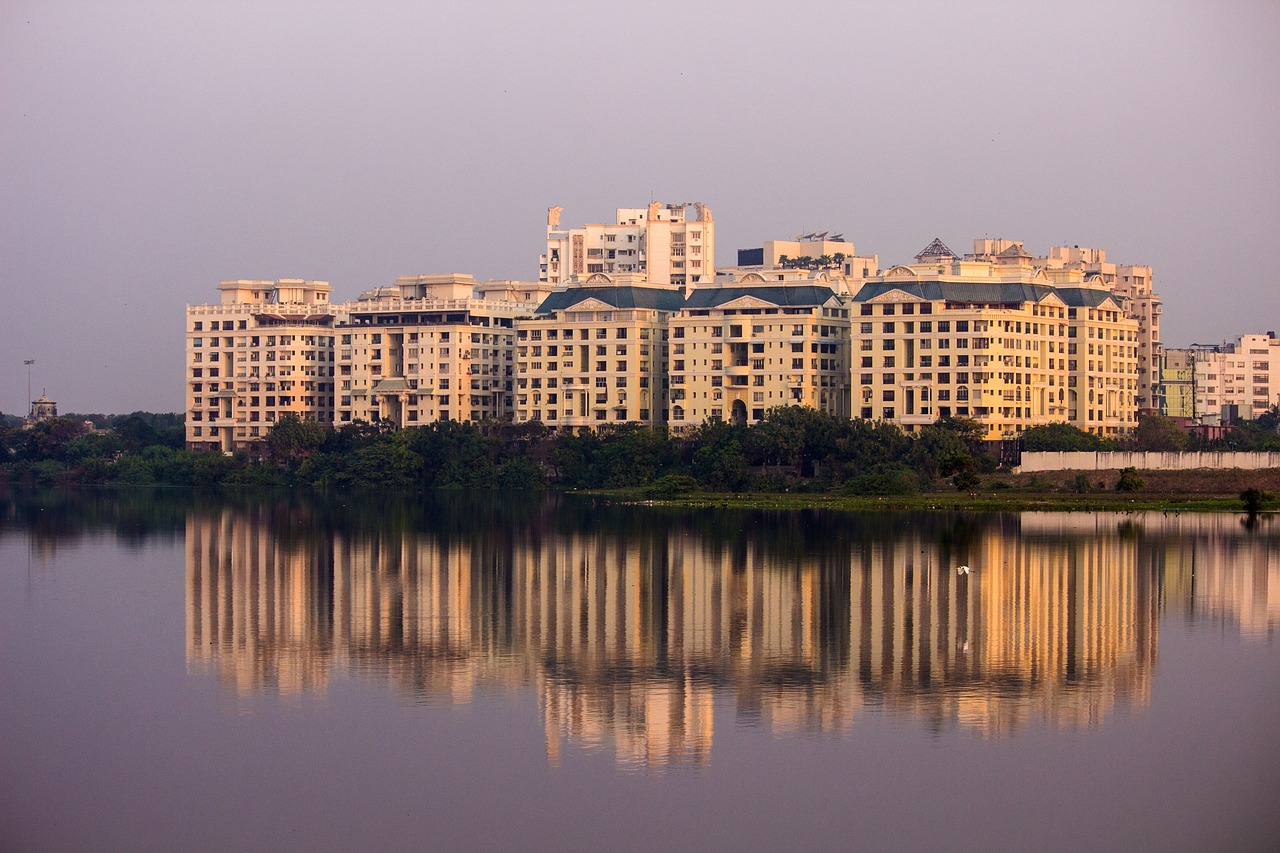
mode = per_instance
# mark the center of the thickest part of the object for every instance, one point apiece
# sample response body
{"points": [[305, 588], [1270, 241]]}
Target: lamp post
{"points": [[28, 362]]}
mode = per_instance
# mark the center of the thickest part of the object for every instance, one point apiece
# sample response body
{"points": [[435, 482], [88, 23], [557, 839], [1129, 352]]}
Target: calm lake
{"points": [[510, 671]]}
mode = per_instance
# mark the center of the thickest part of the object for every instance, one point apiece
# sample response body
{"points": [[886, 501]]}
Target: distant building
{"points": [[808, 251], [658, 243], [743, 346], [1236, 380], [429, 348], [997, 340], [264, 352], [1177, 384], [42, 409], [596, 353], [1133, 287]]}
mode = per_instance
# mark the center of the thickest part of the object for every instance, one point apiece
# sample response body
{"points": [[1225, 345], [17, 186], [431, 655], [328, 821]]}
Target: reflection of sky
{"points": [[109, 743]]}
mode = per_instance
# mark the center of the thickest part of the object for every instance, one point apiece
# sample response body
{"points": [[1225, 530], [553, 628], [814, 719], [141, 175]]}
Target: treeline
{"points": [[1157, 433], [792, 449]]}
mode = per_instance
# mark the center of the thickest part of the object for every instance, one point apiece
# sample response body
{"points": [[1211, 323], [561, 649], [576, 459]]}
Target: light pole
{"points": [[28, 362]]}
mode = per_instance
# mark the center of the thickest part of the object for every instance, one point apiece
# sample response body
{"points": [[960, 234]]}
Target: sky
{"points": [[149, 150]]}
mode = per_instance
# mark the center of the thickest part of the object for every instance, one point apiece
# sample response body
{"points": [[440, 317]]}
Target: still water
{"points": [[463, 671]]}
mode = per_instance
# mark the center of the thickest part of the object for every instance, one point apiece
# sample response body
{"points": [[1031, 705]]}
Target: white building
{"points": [[659, 243], [1241, 379]]}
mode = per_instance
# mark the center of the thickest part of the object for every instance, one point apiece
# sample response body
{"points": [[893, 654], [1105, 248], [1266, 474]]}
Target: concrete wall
{"points": [[1113, 461]]}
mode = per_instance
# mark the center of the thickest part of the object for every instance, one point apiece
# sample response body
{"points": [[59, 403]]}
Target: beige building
{"points": [[743, 346], [1241, 378], [659, 243], [265, 351], [1134, 290], [808, 251], [431, 347], [596, 354], [1001, 342]]}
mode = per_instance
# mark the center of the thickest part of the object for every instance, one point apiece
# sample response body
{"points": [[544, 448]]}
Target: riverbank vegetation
{"points": [[793, 454]]}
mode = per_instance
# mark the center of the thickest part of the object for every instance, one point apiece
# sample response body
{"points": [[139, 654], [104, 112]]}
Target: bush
{"points": [[886, 480], [1129, 481], [1255, 499], [669, 486]]}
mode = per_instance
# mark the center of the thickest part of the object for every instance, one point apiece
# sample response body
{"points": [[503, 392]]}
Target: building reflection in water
{"points": [[627, 632]]}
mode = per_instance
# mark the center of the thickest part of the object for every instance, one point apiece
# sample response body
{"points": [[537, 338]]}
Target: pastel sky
{"points": [[149, 150]]}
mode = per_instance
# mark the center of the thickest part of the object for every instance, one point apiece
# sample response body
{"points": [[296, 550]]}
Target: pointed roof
{"points": [[936, 249], [1014, 251]]}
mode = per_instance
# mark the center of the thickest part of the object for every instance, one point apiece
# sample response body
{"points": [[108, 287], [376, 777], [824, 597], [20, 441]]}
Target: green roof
{"points": [[620, 296], [1008, 293], [798, 295], [1086, 297]]}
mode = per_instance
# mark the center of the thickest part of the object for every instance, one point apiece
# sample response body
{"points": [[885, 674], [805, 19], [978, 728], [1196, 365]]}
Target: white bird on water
{"points": [[964, 570]]}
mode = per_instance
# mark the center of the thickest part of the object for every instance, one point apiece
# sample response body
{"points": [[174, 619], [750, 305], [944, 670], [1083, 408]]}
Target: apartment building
{"points": [[1133, 288], [753, 342], [431, 347], [266, 350], [1177, 384], [808, 251], [1005, 344], [659, 242], [595, 353], [1236, 380]]}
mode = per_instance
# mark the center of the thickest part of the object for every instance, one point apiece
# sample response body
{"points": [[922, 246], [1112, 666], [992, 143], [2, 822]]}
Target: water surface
{"points": [[465, 671]]}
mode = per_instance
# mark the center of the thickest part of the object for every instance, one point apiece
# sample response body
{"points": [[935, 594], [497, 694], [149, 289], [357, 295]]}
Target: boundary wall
{"points": [[1144, 461]]}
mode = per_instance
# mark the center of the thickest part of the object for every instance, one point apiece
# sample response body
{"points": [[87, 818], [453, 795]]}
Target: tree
{"points": [[1160, 434], [293, 439], [1059, 437], [1129, 481], [718, 460]]}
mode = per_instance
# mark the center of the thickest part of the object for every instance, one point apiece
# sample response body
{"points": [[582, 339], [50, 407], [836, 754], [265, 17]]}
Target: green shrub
{"points": [[1129, 481], [669, 486]]}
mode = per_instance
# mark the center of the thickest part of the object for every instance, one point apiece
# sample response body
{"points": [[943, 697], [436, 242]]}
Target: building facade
{"points": [[430, 347], [744, 346], [596, 354], [1177, 384], [659, 242], [1240, 380], [1133, 288], [264, 352], [1006, 345]]}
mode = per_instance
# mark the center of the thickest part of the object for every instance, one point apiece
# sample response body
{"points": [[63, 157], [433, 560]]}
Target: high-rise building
{"points": [[1004, 343], [264, 352], [659, 243], [1177, 384], [596, 353], [759, 340], [1240, 380], [430, 347], [1134, 290]]}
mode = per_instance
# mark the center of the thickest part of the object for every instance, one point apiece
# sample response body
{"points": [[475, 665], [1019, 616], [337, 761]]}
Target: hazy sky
{"points": [[149, 150]]}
